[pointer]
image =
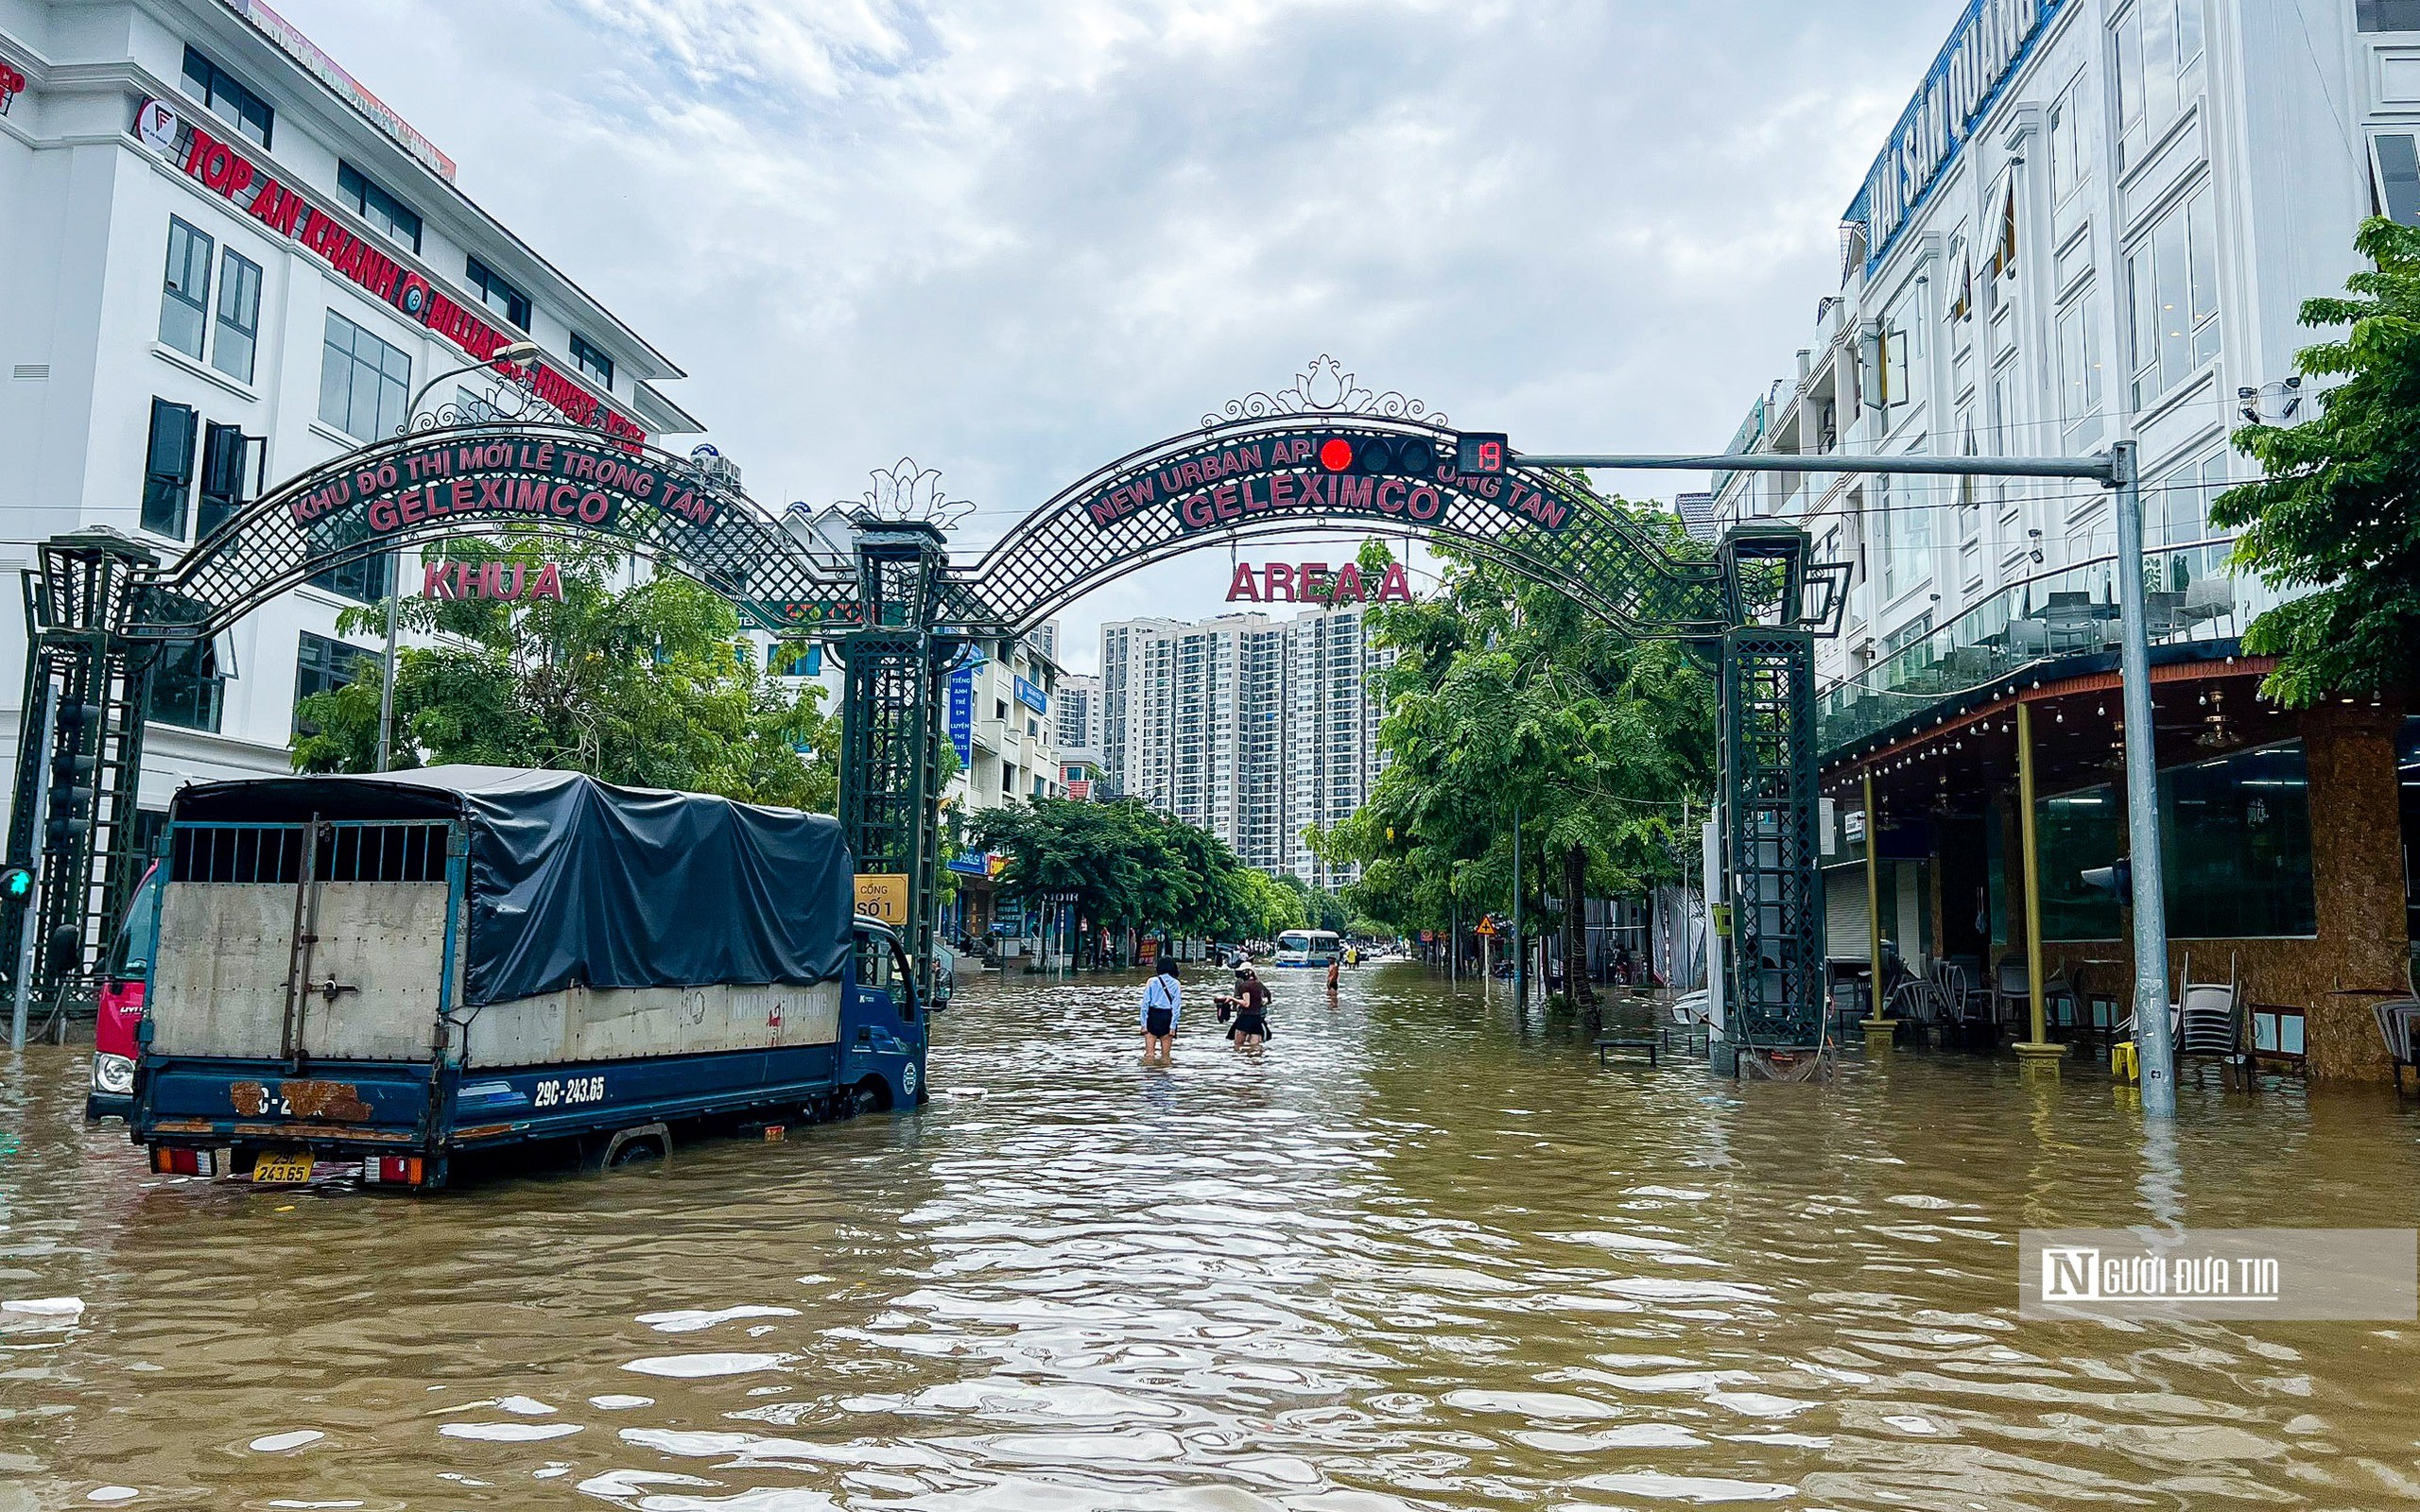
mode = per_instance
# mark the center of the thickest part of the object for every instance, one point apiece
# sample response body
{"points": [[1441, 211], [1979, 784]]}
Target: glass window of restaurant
{"points": [[2235, 843]]}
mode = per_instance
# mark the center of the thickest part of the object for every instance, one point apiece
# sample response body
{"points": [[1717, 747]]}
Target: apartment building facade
{"points": [[2098, 220], [1252, 727], [227, 261]]}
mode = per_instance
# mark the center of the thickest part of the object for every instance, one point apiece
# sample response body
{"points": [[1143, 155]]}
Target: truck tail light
{"points": [[391, 1170], [168, 1161]]}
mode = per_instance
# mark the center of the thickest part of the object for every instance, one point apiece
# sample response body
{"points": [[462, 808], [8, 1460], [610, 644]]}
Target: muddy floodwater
{"points": [[1417, 1255]]}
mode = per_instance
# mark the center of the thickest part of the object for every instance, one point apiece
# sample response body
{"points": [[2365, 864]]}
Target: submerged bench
{"points": [[1619, 1041]]}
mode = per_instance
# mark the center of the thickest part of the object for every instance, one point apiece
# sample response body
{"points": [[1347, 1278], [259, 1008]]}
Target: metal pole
{"points": [[1520, 951], [2031, 849], [22, 996], [2142, 800], [2101, 469], [1873, 898], [1453, 937], [386, 683]]}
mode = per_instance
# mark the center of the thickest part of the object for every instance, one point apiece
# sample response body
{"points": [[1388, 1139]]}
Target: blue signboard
{"points": [[971, 863], [1032, 698], [1984, 51], [961, 713]]}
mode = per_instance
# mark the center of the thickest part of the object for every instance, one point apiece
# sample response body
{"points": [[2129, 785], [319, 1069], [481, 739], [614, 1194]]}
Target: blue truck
{"points": [[392, 975]]}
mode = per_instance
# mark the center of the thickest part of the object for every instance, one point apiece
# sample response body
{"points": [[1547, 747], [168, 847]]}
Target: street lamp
{"points": [[522, 350]]}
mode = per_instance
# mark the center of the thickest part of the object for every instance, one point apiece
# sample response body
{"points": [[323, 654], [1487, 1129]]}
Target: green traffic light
{"points": [[16, 882]]}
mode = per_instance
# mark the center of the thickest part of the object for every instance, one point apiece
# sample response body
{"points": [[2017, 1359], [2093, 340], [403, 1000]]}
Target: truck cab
{"points": [[117, 1021], [882, 1023]]}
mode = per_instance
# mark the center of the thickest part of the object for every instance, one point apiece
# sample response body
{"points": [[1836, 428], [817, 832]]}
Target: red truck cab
{"points": [[117, 1025]]}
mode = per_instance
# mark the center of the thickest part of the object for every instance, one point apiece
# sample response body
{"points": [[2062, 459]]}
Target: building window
{"points": [[240, 317], [2387, 15], [184, 295], [2173, 288], [364, 383], [585, 356], [2235, 844], [186, 687], [2395, 162], [2158, 64], [383, 211], [2070, 145], [224, 451], [2181, 518], [230, 101], [322, 665], [365, 581], [2079, 376], [168, 468], [498, 295]]}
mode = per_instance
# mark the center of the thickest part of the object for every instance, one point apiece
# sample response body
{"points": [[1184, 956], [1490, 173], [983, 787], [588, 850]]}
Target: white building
{"points": [[210, 294], [2096, 221], [1251, 728]]}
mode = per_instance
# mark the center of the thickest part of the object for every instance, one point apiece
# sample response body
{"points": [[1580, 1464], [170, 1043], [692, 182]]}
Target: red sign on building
{"points": [[289, 214]]}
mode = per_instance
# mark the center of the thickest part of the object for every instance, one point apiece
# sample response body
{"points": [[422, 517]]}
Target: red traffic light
{"points": [[1335, 453]]}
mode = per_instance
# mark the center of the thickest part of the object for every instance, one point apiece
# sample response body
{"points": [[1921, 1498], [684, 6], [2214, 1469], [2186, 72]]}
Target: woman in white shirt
{"points": [[1163, 1001]]}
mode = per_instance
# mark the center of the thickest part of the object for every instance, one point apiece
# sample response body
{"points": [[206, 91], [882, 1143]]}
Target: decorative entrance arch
{"points": [[900, 612]]}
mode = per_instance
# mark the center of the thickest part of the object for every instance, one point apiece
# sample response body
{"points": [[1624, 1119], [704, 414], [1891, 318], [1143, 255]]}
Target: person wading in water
{"points": [[1163, 1000], [1251, 1002]]}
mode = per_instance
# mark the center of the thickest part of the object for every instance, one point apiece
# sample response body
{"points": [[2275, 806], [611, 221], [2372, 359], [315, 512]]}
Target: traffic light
{"points": [[1483, 454], [16, 883], [1380, 457], [71, 784]]}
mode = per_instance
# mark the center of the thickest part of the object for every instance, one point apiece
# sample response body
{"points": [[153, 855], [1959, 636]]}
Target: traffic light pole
{"points": [[21, 995], [2113, 470]]}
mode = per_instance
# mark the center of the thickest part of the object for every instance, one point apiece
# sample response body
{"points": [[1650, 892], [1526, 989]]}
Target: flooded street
{"points": [[1416, 1256]]}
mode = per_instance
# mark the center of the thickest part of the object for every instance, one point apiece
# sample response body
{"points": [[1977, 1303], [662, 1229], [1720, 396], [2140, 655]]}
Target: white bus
{"points": [[1308, 948]]}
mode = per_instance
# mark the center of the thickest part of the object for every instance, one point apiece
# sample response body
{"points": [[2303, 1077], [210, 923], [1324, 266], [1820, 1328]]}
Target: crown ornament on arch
{"points": [[1323, 390], [906, 493]]}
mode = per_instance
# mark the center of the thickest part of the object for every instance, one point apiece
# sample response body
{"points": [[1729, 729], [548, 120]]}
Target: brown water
{"points": [[1418, 1255]]}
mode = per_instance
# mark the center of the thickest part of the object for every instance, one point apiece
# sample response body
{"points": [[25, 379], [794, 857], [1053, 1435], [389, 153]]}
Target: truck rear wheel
{"points": [[870, 1096], [629, 1146]]}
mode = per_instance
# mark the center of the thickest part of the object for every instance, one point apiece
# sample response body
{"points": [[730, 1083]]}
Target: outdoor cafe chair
{"points": [[2209, 1024], [2395, 1017]]}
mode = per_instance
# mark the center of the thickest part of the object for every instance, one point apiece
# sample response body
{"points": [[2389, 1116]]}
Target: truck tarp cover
{"points": [[573, 880]]}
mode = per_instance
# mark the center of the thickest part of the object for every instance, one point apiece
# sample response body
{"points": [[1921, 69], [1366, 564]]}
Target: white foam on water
{"points": [[111, 1493], [1697, 1490], [1910, 1423], [617, 1402], [508, 1432], [275, 1443], [691, 1320], [526, 1407], [692, 1366], [54, 1307]]}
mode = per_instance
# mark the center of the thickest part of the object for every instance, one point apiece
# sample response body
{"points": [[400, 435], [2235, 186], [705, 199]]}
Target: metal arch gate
{"points": [[900, 612]]}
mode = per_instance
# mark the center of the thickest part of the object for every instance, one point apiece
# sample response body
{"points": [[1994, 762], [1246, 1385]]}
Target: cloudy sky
{"points": [[1017, 238]]}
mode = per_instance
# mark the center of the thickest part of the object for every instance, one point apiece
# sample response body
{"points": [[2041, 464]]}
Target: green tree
{"points": [[1507, 698], [1127, 866], [652, 685], [2336, 517]]}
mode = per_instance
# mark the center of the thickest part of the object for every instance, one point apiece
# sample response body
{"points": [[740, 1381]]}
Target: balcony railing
{"points": [[2063, 612]]}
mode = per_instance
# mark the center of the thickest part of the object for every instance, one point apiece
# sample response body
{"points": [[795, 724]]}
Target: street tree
{"points": [[650, 684], [2336, 515], [1507, 699]]}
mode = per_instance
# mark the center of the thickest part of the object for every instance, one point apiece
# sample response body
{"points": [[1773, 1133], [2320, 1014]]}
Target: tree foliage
{"points": [[650, 685], [1505, 696], [2336, 518], [1130, 867]]}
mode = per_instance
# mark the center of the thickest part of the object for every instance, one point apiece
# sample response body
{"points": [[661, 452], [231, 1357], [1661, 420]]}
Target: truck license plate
{"points": [[281, 1167]]}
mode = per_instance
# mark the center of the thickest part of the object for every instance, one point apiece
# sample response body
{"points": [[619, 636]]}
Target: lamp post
{"points": [[517, 352]]}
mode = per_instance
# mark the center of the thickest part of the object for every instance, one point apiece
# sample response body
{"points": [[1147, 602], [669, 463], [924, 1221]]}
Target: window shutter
{"points": [[172, 441]]}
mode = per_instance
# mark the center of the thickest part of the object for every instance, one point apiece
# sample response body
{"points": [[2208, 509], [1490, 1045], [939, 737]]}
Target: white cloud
{"points": [[1015, 238]]}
